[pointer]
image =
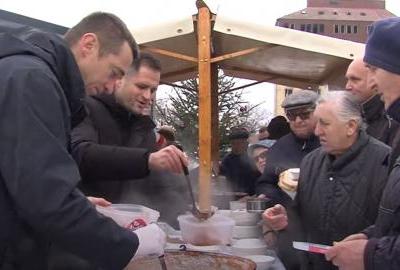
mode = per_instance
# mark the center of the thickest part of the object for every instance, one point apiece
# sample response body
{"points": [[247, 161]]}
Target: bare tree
{"points": [[180, 110]]}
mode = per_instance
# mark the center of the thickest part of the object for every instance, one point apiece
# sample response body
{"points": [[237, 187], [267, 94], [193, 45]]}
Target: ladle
{"points": [[195, 211]]}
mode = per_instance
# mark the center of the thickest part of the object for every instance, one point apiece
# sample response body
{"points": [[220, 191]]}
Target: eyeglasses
{"points": [[262, 155], [304, 115]]}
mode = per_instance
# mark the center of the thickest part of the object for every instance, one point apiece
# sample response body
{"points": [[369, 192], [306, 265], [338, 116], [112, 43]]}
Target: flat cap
{"points": [[238, 133], [260, 144], [300, 99]]}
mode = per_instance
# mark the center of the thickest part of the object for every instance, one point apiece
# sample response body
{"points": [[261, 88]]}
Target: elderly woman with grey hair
{"points": [[340, 183]]}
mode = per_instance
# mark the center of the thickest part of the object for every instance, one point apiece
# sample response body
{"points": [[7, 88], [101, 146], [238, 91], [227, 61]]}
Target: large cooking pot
{"points": [[184, 260]]}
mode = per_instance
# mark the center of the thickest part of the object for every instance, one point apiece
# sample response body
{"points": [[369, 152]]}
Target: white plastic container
{"points": [[131, 216], [247, 247], [237, 205], [241, 232], [244, 218], [217, 230]]}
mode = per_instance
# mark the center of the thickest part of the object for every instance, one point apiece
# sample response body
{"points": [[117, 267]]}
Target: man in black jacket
{"points": [[379, 125], [378, 247], [43, 79], [116, 143], [340, 185], [289, 150], [237, 166]]}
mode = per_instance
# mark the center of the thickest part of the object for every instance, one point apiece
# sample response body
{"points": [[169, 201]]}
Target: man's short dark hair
{"points": [[111, 31], [263, 129], [238, 133], [145, 59]]}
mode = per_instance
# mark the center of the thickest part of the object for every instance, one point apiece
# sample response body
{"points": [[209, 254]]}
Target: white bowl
{"points": [[237, 205], [247, 247], [224, 212], [263, 261], [240, 232], [217, 230], [244, 218]]}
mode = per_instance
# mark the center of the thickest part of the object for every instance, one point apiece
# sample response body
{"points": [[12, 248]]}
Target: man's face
{"points": [[302, 121], [239, 146], [101, 73], [263, 135], [260, 157], [335, 136], [138, 90], [387, 83], [357, 81]]}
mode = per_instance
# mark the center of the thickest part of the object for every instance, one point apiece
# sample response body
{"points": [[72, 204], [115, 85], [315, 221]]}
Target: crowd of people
{"points": [[347, 189], [75, 132]]}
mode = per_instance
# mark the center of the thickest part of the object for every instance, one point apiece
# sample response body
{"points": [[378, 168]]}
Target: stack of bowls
{"points": [[246, 224], [247, 232]]}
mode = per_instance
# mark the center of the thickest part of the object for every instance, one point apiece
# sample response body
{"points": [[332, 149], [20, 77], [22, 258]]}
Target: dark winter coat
{"points": [[240, 172], [339, 197], [111, 145], [40, 92], [112, 148], [286, 153], [394, 110], [383, 247], [381, 126]]}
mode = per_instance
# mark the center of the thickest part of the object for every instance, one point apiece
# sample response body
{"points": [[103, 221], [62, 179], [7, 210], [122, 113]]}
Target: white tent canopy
{"points": [[197, 45], [265, 53]]}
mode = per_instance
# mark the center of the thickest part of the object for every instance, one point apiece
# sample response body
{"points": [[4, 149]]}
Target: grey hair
{"points": [[348, 107]]}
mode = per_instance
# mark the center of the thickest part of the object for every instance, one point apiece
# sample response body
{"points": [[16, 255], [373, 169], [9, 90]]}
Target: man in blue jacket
{"points": [[43, 80]]}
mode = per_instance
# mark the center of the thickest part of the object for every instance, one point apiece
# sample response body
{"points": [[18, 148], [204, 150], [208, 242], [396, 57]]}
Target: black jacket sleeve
{"points": [[382, 253], [267, 184], [41, 177], [98, 162]]}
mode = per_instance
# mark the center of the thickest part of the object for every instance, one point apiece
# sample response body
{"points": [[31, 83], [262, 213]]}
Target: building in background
{"points": [[344, 19]]}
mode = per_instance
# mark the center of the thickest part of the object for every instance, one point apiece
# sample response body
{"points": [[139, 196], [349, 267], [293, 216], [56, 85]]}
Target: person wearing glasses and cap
{"points": [[289, 150], [287, 153], [258, 152]]}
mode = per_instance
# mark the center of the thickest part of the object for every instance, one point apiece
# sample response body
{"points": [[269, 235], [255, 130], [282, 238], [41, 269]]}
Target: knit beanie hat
{"points": [[383, 45]]}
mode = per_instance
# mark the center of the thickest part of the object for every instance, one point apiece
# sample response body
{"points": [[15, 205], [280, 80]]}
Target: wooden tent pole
{"points": [[215, 120], [205, 108]]}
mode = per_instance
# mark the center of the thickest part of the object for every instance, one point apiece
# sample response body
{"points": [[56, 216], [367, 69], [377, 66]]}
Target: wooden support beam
{"points": [[178, 86], [165, 76], [266, 74], [168, 53], [240, 53], [246, 85], [214, 119], [205, 108]]}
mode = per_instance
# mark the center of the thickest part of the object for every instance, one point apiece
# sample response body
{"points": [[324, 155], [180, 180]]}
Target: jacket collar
{"points": [[373, 108], [122, 114], [53, 50], [351, 153], [394, 110], [308, 144]]}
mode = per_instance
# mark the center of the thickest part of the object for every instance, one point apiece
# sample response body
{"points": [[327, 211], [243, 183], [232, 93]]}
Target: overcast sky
{"points": [[137, 13]]}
